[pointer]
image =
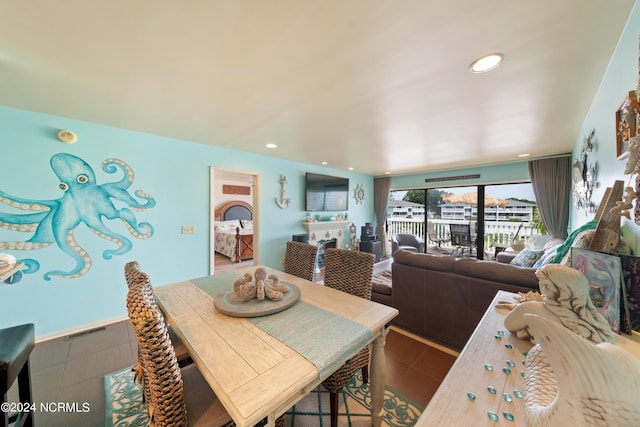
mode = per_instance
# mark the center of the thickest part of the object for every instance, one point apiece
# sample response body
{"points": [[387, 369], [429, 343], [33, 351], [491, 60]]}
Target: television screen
{"points": [[326, 193]]}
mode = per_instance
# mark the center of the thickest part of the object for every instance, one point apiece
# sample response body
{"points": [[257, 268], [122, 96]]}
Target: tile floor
{"points": [[72, 369]]}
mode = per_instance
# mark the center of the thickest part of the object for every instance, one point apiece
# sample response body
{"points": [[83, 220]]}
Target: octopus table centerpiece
{"points": [[251, 298], [262, 287]]}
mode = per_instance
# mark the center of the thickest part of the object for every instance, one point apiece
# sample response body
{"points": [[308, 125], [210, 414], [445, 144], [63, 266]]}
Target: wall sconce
{"points": [[67, 136]]}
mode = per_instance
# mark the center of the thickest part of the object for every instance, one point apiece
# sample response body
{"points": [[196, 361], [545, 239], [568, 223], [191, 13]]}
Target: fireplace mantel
{"points": [[325, 230]]}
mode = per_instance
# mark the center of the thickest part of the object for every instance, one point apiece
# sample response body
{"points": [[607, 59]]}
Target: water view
{"points": [[509, 217]]}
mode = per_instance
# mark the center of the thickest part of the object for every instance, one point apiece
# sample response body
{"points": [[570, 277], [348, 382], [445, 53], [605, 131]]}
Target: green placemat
{"points": [[324, 338]]}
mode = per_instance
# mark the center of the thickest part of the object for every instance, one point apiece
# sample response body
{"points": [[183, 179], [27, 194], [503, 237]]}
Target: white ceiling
{"points": [[377, 85]]}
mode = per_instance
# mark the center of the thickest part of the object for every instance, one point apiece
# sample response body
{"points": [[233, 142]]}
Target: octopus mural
{"points": [[84, 202]]}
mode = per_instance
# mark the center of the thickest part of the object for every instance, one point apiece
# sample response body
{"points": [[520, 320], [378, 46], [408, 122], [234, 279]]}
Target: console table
{"points": [[490, 344]]}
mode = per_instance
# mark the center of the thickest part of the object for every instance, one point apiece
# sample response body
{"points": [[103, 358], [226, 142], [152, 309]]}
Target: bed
{"points": [[233, 230]]}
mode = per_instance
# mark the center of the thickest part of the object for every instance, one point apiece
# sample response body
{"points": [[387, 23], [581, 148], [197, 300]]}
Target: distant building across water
{"points": [[514, 210]]}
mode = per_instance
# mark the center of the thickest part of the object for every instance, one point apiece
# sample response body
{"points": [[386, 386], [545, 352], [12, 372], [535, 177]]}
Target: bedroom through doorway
{"points": [[233, 231]]}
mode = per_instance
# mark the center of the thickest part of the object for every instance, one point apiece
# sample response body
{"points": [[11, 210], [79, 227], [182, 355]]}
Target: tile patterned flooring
{"points": [[72, 369]]}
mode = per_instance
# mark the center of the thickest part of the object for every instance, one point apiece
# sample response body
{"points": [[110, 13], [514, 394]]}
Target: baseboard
{"points": [[426, 341]]}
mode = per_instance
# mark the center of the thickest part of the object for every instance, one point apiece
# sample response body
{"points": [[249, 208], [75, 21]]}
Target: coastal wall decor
{"points": [[83, 202], [241, 190], [283, 202], [628, 120], [585, 176], [628, 138], [626, 124], [358, 194]]}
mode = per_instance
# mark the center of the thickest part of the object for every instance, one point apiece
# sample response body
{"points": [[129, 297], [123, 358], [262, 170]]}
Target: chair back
{"points": [[130, 270], [300, 259], [460, 234], [431, 230], [161, 371], [349, 271]]}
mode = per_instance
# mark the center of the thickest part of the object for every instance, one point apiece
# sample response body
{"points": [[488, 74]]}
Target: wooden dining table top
{"points": [[254, 374]]}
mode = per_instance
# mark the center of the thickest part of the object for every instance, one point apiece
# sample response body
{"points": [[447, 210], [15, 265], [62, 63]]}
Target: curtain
{"points": [[551, 182], [381, 188]]}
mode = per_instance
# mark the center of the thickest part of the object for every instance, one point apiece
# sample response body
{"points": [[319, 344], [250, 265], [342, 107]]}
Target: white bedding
{"points": [[225, 237]]}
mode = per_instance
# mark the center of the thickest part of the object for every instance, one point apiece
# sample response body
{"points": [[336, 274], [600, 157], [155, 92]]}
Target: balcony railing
{"points": [[495, 232]]}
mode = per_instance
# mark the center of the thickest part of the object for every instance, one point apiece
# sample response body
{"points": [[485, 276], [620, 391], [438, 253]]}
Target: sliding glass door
{"points": [[484, 219]]}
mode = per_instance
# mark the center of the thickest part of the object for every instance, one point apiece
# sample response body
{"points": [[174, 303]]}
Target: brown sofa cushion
{"points": [[381, 282], [431, 262], [496, 272]]}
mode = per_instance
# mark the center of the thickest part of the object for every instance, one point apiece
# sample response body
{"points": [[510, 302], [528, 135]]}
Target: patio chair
{"points": [[350, 272], [300, 260], [461, 238], [433, 235], [176, 397], [408, 242]]}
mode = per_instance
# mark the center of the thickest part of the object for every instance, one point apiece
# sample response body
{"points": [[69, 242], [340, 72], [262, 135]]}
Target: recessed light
{"points": [[350, 169], [271, 145], [387, 173], [524, 155], [486, 63], [324, 163]]}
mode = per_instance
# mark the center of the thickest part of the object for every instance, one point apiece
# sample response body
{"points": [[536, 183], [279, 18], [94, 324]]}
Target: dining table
{"points": [[259, 366]]}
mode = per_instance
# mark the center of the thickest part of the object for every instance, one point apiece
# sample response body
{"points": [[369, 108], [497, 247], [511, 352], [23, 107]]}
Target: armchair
{"points": [[407, 242]]}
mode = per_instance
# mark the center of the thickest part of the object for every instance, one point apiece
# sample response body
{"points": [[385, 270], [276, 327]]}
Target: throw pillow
{"points": [[526, 258], [630, 234], [230, 225], [538, 241], [546, 257], [582, 240]]}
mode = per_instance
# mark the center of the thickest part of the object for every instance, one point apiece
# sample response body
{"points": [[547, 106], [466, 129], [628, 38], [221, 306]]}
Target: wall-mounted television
{"points": [[326, 193]]}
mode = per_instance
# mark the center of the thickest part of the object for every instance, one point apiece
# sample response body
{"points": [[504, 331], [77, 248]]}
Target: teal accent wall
{"points": [[493, 174], [176, 173], [621, 77]]}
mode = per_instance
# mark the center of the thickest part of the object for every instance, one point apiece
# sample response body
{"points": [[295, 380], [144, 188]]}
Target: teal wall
{"points": [[175, 173], [494, 174], [621, 76]]}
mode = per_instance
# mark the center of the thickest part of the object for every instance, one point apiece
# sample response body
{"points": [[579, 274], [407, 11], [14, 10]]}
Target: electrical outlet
{"points": [[188, 229]]}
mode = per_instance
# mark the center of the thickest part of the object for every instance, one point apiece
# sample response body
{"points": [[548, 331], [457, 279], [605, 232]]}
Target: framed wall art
{"points": [[604, 273], [626, 125]]}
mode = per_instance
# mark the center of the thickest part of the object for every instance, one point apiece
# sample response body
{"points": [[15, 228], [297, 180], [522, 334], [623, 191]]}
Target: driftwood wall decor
{"points": [[236, 189]]}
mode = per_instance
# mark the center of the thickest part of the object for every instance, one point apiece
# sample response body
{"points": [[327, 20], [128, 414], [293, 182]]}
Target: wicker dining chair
{"points": [[300, 259], [176, 397], [131, 269], [348, 271]]}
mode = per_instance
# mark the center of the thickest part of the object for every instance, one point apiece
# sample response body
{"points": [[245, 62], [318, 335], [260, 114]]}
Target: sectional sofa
{"points": [[442, 298]]}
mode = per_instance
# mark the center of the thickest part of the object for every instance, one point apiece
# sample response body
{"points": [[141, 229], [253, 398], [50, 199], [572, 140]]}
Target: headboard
{"points": [[235, 209]]}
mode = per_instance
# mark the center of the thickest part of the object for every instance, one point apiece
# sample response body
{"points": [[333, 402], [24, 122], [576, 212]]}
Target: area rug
{"points": [[124, 405]]}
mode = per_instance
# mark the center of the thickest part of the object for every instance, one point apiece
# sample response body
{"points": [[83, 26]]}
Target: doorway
{"points": [[228, 186]]}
